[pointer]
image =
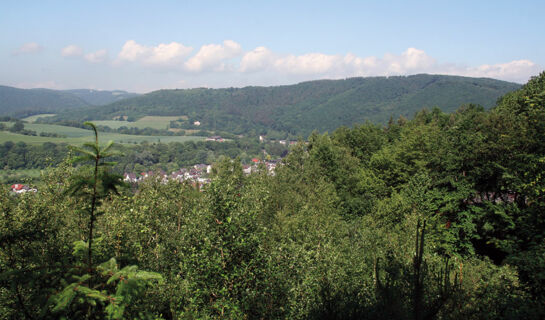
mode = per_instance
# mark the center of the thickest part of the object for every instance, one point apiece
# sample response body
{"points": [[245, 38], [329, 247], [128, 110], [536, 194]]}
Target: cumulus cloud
{"points": [[162, 54], [97, 56], [29, 47], [72, 51], [260, 58], [213, 56], [262, 65], [311, 63], [411, 61], [517, 70]]}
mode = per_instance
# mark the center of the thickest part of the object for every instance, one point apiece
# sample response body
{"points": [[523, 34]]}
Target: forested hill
{"points": [[298, 109], [101, 97], [24, 102]]}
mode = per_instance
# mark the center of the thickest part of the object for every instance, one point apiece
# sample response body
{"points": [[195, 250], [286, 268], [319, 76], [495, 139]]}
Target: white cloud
{"points": [[260, 58], [213, 56], [72, 51], [97, 56], [29, 47], [411, 61], [517, 70], [230, 65], [310, 63], [163, 54]]}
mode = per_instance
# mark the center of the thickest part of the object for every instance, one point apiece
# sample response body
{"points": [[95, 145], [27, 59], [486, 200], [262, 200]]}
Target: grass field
{"points": [[78, 136], [36, 116], [155, 122], [69, 132], [19, 176]]}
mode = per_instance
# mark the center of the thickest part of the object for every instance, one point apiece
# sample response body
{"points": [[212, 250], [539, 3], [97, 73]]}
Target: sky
{"points": [[141, 46]]}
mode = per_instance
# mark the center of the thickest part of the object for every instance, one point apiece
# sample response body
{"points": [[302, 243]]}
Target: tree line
{"points": [[142, 157]]}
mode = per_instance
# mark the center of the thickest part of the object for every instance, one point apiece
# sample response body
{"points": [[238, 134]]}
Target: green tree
{"points": [[106, 290]]}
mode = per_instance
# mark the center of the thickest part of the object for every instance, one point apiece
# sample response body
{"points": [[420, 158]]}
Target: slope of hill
{"points": [[24, 102], [101, 97], [298, 109]]}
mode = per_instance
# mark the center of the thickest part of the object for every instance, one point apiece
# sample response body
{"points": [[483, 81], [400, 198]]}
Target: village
{"points": [[198, 174]]}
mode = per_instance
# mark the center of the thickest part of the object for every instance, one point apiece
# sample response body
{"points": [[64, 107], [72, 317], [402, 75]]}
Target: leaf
{"points": [[107, 147]]}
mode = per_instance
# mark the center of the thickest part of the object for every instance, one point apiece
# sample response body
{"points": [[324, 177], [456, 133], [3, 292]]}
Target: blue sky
{"points": [[147, 45]]}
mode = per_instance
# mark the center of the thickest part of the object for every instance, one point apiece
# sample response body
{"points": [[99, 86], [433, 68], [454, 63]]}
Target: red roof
{"points": [[255, 160], [17, 186]]}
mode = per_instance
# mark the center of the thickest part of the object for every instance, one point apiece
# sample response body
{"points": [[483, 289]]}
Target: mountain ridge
{"points": [[322, 105], [25, 102]]}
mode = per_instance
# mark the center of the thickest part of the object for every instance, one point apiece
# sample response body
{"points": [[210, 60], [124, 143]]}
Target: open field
{"points": [[19, 176], [36, 116], [78, 136], [155, 122], [69, 132]]}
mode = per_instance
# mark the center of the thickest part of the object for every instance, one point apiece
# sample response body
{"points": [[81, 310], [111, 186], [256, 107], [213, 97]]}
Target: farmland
{"points": [[155, 122], [20, 175], [36, 116], [77, 136]]}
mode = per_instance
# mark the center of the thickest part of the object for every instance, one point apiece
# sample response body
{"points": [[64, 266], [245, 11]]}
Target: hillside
{"points": [[101, 97], [299, 109], [24, 102]]}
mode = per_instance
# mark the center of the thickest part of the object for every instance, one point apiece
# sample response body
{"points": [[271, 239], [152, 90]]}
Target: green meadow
{"points": [[77, 136], [19, 176], [155, 122], [36, 116]]}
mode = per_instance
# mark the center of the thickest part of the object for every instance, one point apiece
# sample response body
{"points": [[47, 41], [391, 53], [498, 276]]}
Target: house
{"points": [[247, 169], [21, 188], [130, 177], [215, 138], [197, 123], [16, 187]]}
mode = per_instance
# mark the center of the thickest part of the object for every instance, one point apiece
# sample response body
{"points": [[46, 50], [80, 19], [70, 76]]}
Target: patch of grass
{"points": [[36, 116], [78, 136], [69, 132], [19, 176], [155, 122]]}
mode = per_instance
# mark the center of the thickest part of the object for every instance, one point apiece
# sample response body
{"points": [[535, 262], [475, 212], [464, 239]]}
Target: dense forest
{"points": [[299, 109], [25, 102], [438, 217]]}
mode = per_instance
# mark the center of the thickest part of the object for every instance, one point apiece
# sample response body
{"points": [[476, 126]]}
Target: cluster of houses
{"points": [[198, 173], [270, 165]]}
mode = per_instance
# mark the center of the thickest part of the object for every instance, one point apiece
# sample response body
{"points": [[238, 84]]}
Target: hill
{"points": [[25, 102], [101, 97], [299, 109]]}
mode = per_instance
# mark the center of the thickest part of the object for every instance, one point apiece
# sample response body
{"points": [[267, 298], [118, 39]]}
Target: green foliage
{"points": [[117, 291]]}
